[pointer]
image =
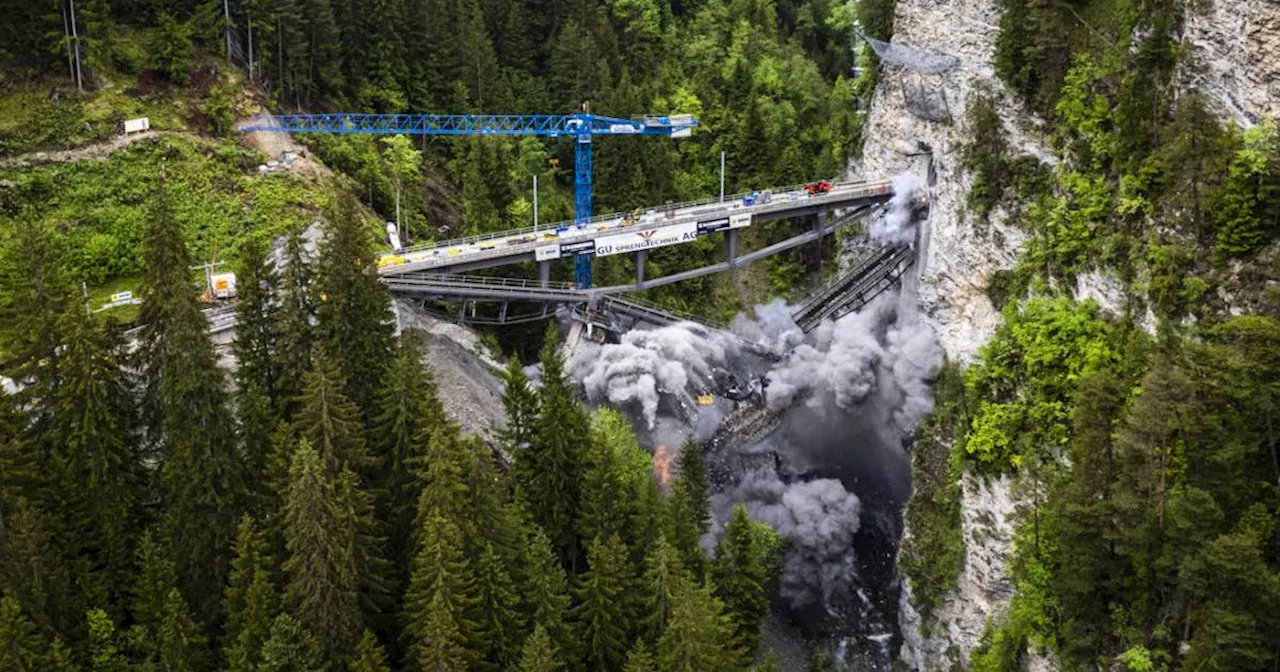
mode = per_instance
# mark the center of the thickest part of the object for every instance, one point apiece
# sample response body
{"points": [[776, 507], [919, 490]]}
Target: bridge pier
{"points": [[640, 257], [818, 222], [730, 245], [544, 272]]}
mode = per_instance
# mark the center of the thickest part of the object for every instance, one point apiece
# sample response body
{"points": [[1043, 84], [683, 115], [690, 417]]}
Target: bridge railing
{"points": [[483, 280], [598, 219]]}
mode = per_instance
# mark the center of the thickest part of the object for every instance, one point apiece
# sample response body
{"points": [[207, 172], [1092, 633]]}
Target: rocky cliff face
{"points": [[982, 589], [957, 258], [1234, 49]]}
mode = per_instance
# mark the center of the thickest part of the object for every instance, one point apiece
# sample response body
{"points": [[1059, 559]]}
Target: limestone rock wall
{"points": [[1234, 49], [957, 258]]}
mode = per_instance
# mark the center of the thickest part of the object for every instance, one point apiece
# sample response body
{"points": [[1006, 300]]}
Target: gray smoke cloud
{"points": [[648, 366], [855, 387], [896, 226], [817, 518], [773, 327], [884, 351]]}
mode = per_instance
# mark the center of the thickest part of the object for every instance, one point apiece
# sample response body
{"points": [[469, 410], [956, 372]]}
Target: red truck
{"points": [[819, 187]]}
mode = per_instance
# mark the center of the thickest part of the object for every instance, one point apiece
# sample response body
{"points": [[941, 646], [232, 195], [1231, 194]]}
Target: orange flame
{"points": [[662, 465]]}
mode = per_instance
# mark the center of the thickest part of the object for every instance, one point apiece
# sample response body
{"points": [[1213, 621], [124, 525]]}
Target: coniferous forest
{"points": [[326, 515]]}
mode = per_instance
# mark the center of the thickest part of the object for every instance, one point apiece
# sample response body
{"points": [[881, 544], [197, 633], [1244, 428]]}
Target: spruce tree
{"points": [[539, 653], [36, 573], [546, 597], [442, 581], [22, 649], [606, 497], [322, 588], [20, 474], [691, 480], [550, 470], [188, 421], [521, 406], [498, 619], [155, 578], [295, 331], [370, 656], [601, 621], [258, 424], [663, 571], [59, 659], [257, 372], [409, 415], [37, 293], [769, 664], [490, 519], [740, 576], [257, 289], [444, 488], [249, 601], [180, 643], [291, 648], [328, 420], [690, 509], [100, 465], [640, 659], [378, 582], [440, 648], [353, 316], [696, 636]]}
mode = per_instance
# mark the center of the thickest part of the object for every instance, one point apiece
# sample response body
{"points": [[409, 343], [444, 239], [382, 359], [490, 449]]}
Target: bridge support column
{"points": [[730, 245], [640, 258], [818, 222], [544, 272]]}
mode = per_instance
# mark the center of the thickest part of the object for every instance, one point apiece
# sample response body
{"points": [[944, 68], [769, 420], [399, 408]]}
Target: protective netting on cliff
{"points": [[914, 58]]}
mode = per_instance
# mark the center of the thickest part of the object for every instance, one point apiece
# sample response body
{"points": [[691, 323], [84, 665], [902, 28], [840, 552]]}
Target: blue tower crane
{"points": [[581, 127]]}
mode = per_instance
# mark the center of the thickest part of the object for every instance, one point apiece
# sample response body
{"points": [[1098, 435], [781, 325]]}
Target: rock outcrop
{"points": [[957, 258], [982, 589], [1234, 49]]}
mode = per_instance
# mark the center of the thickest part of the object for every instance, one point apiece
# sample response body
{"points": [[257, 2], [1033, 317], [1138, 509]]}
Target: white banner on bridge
{"points": [[740, 220], [547, 252], [646, 239]]}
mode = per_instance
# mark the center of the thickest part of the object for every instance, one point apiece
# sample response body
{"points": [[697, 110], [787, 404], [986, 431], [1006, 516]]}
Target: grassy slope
{"points": [[100, 206]]}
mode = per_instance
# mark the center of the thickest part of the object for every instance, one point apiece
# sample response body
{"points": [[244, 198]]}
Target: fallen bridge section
{"points": [[871, 276]]}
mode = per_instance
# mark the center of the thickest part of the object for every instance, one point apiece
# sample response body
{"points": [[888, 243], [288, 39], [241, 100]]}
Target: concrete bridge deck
{"points": [[565, 239]]}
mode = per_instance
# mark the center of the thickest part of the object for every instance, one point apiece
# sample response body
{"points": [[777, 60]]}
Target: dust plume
{"points": [[818, 519], [650, 366], [773, 327], [885, 351], [854, 390], [896, 227]]}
